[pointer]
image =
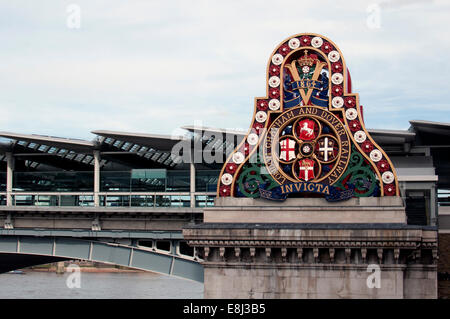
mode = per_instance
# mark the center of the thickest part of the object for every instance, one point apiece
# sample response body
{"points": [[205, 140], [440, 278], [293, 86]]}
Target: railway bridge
{"points": [[148, 239]]}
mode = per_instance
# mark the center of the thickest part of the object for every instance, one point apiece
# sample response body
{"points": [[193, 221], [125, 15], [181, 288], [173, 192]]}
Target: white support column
{"points": [[9, 177], [433, 206], [192, 179], [96, 178]]}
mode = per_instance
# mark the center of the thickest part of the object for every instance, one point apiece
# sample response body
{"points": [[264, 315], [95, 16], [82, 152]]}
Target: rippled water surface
{"points": [[98, 285]]}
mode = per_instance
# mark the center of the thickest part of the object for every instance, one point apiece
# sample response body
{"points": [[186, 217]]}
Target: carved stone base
{"points": [[317, 260], [306, 210]]}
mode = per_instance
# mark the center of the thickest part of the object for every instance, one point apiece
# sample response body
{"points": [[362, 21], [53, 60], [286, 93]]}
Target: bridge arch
{"points": [[37, 250]]}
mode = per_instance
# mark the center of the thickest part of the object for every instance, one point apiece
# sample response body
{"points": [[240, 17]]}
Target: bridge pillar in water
{"points": [[310, 248], [60, 268]]}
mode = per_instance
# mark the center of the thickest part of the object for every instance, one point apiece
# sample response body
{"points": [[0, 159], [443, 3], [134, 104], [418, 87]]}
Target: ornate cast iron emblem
{"points": [[308, 135]]}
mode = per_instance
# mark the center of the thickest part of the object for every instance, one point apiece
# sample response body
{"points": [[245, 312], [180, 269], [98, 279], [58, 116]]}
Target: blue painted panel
{"points": [[36, 245], [188, 269], [112, 254], [152, 261], [72, 248], [8, 243]]}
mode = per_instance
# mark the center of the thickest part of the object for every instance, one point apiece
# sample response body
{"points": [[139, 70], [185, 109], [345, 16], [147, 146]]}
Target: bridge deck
{"points": [[106, 210]]}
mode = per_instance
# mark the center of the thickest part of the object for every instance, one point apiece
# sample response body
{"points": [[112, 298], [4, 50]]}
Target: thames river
{"points": [[97, 285]]}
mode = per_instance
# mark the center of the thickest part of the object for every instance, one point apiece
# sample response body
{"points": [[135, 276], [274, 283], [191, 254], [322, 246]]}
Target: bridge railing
{"points": [[109, 199], [443, 197], [167, 246]]}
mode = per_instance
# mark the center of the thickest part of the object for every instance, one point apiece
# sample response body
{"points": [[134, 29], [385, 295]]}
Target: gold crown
{"points": [[306, 60]]}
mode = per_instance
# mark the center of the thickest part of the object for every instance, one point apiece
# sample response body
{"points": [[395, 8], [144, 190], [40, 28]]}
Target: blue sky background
{"points": [[153, 66]]}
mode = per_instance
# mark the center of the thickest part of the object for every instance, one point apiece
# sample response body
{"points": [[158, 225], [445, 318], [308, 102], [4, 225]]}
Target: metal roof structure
{"points": [[160, 142], [152, 147], [74, 144], [138, 150], [139, 163], [430, 126], [58, 151], [148, 147]]}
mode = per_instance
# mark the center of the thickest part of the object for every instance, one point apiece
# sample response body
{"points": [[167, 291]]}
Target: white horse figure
{"points": [[309, 131]]}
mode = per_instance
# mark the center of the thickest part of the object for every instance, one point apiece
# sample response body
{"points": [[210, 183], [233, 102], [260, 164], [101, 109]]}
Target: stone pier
{"points": [[309, 248]]}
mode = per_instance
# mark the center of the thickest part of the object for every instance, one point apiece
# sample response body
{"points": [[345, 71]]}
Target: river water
{"points": [[97, 285]]}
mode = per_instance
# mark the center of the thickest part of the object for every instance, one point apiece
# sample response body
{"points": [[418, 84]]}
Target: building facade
{"points": [[120, 169]]}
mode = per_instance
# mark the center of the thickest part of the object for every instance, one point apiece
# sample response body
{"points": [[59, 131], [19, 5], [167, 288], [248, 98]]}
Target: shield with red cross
{"points": [[306, 169], [287, 149], [306, 130]]}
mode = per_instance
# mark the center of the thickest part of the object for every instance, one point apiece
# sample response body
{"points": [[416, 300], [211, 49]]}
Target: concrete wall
{"points": [[318, 282], [444, 266], [305, 248], [420, 282]]}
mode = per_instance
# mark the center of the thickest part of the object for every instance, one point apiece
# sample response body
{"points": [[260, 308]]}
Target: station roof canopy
{"points": [[430, 127], [51, 141], [153, 147], [160, 142], [381, 136], [152, 150], [62, 152], [392, 136], [213, 130]]}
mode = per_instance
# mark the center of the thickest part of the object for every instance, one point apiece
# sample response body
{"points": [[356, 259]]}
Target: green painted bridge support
{"points": [[61, 248]]}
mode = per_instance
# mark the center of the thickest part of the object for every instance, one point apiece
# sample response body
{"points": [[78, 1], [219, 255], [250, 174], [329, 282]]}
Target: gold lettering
{"points": [[341, 131], [326, 190], [277, 123], [288, 188], [311, 187], [290, 114], [273, 170]]}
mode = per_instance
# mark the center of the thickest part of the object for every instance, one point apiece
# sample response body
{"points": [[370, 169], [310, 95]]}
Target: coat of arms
{"points": [[306, 169], [287, 149], [306, 130]]}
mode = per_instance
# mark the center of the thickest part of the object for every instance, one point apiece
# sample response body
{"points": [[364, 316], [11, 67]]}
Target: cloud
{"points": [[152, 66]]}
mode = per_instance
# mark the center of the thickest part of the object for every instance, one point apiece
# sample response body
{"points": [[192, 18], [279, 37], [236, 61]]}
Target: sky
{"points": [[154, 66]]}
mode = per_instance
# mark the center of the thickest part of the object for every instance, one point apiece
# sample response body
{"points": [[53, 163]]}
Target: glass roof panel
{"points": [[43, 148], [87, 159], [70, 155], [118, 143], [79, 157], [126, 146], [134, 148]]}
